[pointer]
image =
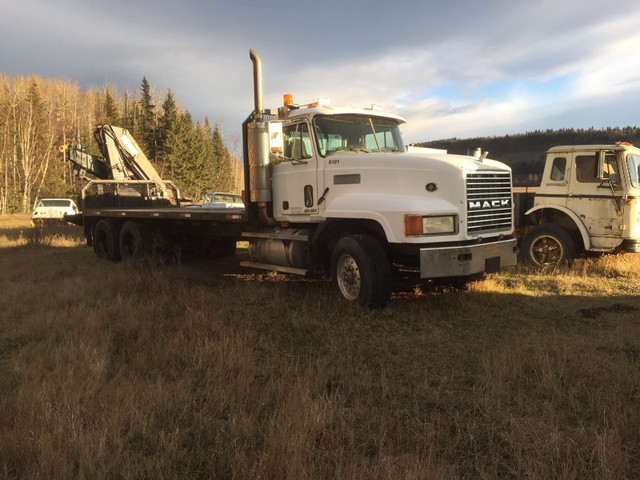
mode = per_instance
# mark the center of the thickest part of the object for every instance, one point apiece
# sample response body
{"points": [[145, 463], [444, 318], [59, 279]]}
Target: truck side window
{"points": [[610, 169], [558, 168], [587, 169], [297, 142]]}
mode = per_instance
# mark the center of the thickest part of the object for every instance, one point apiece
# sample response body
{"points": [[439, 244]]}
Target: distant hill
{"points": [[525, 153]]}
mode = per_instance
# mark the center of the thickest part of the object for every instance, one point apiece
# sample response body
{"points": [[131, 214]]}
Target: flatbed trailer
{"points": [[126, 219], [228, 215]]}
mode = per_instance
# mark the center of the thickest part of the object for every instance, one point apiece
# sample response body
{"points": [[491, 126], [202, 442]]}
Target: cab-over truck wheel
{"points": [[548, 245], [360, 271], [106, 240]]}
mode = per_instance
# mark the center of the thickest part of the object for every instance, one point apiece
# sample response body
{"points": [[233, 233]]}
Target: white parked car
{"points": [[53, 209], [221, 200]]}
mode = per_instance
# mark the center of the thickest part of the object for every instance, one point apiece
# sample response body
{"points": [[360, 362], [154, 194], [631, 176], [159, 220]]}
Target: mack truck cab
{"points": [[587, 202], [333, 189]]}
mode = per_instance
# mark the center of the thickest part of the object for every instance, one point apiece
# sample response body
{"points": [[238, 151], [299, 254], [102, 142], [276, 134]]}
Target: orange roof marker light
{"points": [[288, 99]]}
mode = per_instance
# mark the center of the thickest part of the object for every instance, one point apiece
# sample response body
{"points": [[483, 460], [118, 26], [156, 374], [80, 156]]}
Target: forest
{"points": [[525, 153], [38, 116]]}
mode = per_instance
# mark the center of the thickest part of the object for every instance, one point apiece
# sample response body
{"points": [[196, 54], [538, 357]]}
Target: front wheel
{"points": [[360, 271], [548, 245]]}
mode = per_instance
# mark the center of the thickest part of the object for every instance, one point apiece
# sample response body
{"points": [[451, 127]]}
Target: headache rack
{"points": [[130, 194]]}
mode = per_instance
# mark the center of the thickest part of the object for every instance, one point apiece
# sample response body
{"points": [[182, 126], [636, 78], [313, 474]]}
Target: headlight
{"points": [[416, 225]]}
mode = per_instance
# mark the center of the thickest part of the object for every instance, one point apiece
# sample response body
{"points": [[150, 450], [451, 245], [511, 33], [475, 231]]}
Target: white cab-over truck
{"points": [[587, 202], [331, 191]]}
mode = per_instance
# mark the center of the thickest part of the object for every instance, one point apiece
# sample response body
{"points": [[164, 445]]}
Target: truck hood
{"points": [[413, 160], [405, 175], [386, 187]]}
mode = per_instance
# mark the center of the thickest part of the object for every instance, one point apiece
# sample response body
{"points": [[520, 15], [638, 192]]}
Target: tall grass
{"points": [[205, 370]]}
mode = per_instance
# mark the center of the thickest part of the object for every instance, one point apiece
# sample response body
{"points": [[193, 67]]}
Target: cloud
{"points": [[452, 69]]}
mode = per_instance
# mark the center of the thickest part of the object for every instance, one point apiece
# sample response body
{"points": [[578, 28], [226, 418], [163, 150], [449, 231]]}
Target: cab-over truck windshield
{"points": [[634, 169], [351, 133]]}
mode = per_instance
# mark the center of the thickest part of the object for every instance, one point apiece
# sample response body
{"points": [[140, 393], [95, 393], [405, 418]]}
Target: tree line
{"points": [[525, 153], [39, 115]]}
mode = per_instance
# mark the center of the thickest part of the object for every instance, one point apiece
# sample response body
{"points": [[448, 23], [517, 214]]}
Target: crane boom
{"points": [[122, 158]]}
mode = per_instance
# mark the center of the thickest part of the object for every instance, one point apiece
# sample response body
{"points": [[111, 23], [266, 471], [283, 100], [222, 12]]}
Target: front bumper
{"points": [[463, 261]]}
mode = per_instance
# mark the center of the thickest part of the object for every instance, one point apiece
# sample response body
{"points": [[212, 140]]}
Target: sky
{"points": [[457, 68]]}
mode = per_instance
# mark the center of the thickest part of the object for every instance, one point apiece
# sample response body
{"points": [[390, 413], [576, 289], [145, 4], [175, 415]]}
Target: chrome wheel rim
{"points": [[348, 277]]}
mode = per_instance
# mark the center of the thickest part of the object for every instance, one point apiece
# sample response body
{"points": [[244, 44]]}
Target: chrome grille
{"points": [[488, 202]]}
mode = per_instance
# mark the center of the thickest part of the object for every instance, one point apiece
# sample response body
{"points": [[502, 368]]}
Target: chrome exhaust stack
{"points": [[258, 148], [257, 85]]}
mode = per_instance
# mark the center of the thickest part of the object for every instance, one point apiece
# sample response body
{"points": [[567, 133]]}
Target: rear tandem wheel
{"points": [[135, 242], [106, 240]]}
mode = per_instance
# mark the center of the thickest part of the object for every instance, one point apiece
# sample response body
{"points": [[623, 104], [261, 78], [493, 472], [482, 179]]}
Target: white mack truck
{"points": [[328, 191]]}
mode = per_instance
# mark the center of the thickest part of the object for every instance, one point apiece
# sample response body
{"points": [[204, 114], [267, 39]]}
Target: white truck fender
{"points": [[581, 228], [360, 207], [385, 209]]}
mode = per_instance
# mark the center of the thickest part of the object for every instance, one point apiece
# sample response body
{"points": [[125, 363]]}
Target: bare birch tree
{"points": [[5, 112]]}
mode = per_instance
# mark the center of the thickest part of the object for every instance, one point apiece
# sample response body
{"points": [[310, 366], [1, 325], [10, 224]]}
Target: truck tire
{"points": [[548, 245], [134, 242], [105, 241], [222, 247], [360, 271]]}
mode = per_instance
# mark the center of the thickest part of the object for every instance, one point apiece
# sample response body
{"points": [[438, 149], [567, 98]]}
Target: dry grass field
{"points": [[204, 370]]}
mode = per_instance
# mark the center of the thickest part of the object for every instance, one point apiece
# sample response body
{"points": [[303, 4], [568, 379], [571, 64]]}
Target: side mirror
{"points": [[276, 141]]}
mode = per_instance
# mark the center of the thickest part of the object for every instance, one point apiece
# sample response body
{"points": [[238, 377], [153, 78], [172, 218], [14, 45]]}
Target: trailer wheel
{"points": [[105, 241], [360, 271], [548, 245], [134, 241]]}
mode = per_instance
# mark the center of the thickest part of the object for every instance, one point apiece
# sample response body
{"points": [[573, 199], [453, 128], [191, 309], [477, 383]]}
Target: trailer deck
{"points": [[214, 215]]}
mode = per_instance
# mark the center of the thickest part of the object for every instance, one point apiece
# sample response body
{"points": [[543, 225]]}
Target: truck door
{"points": [[294, 178], [596, 196]]}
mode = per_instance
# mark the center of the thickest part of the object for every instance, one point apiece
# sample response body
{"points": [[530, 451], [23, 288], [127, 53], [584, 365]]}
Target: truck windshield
{"points": [[351, 133], [634, 169]]}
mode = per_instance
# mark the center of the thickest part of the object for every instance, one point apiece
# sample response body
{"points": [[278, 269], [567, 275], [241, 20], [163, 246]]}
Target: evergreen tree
{"points": [[148, 122], [110, 108], [178, 149], [207, 158], [190, 162], [168, 137], [224, 177]]}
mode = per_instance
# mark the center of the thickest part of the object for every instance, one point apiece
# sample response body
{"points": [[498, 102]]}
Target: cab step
{"points": [[276, 268]]}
